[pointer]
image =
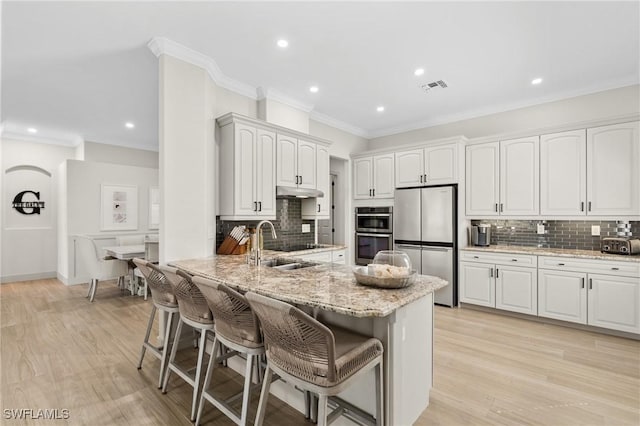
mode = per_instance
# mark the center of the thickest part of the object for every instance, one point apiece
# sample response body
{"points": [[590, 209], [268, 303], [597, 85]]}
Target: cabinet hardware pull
{"points": [[300, 179], [590, 283], [615, 269], [425, 178], [560, 264], [582, 284], [421, 176], [259, 206], [501, 207], [369, 193], [255, 206], [497, 273], [297, 180], [581, 206], [318, 208], [589, 205], [496, 207], [374, 192], [491, 273], [476, 257], [514, 260]]}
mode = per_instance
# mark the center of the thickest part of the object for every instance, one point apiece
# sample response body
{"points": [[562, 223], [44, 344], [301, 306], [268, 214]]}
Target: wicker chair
{"points": [[194, 312], [236, 328], [321, 359], [163, 300]]}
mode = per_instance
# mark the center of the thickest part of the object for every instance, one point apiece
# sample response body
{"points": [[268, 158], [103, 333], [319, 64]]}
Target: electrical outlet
{"points": [[306, 227], [540, 228], [595, 230]]}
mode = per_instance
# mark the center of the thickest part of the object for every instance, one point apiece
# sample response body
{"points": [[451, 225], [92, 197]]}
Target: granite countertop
{"points": [[327, 286], [541, 251]]}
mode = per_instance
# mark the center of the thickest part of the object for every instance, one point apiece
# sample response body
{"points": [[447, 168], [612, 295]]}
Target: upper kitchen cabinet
{"points": [[482, 193], [563, 176], [502, 178], [296, 162], [247, 153], [613, 176], [319, 208], [373, 176], [432, 165]]}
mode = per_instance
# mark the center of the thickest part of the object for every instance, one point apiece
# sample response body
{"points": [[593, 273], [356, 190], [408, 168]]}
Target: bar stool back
{"points": [[236, 327], [163, 300], [321, 359], [194, 312]]}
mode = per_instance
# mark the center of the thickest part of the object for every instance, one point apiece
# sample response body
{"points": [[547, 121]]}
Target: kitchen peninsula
{"points": [[402, 319]]}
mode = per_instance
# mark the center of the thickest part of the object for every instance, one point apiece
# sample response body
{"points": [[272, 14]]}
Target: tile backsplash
{"points": [[288, 225], [567, 234]]}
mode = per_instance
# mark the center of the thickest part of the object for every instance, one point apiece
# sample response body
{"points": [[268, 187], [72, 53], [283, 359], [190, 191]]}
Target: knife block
{"points": [[231, 246]]}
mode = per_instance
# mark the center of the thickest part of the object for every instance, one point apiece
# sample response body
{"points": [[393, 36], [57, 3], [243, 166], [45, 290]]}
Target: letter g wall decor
{"points": [[28, 191], [22, 206]]}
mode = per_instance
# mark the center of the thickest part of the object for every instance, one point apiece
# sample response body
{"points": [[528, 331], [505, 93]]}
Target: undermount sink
{"points": [[287, 264]]}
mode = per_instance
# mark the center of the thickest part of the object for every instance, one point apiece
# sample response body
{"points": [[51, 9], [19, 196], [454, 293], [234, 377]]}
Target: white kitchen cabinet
{"points": [[614, 302], [296, 162], [562, 295], [563, 176], [247, 153], [482, 193], [319, 208], [433, 165], [477, 284], [613, 175], [373, 176], [517, 289], [339, 256], [519, 177]]}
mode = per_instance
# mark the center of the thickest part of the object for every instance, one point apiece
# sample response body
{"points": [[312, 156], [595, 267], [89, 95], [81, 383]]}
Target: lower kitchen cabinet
{"points": [[517, 289], [562, 295], [477, 284], [614, 302]]}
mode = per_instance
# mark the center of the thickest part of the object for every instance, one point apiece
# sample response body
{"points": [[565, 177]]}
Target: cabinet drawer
{"points": [[338, 256], [499, 258], [625, 269], [324, 256]]}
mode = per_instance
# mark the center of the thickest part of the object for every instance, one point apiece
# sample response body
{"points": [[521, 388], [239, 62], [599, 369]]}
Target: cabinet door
{"points": [[383, 176], [562, 295], [517, 289], [318, 208], [265, 183], [477, 284], [286, 161], [307, 164], [482, 179], [519, 176], [245, 157], [614, 302], [409, 167], [441, 164], [362, 176], [613, 175], [563, 176]]}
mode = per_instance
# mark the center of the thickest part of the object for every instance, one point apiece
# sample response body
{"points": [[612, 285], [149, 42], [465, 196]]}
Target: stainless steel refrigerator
{"points": [[425, 227]]}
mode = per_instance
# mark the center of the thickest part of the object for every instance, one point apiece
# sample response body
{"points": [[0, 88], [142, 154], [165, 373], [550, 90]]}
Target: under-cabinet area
{"points": [[564, 285]]}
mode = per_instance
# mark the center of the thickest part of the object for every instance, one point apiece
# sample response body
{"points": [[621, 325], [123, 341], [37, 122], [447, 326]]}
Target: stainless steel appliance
{"points": [[374, 232], [425, 227], [481, 234], [618, 245]]}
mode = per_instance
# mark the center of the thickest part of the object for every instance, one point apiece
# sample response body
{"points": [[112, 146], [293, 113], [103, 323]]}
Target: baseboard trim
{"points": [[27, 277]]}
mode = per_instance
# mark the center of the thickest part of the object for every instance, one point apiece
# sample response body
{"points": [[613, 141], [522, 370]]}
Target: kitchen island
{"points": [[402, 319]]}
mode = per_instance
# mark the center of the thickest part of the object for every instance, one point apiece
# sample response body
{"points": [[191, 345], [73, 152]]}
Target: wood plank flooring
{"points": [[59, 351]]}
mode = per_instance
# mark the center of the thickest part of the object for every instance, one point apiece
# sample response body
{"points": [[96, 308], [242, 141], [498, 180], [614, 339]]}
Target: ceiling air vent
{"points": [[433, 85]]}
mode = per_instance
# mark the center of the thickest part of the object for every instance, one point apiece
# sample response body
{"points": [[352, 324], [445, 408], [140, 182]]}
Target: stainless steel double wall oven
{"points": [[374, 232]]}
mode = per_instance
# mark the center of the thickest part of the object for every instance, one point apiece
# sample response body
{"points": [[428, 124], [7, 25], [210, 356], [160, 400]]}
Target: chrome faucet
{"points": [[256, 256]]}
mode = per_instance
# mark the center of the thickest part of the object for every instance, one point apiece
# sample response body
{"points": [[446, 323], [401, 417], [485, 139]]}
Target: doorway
{"points": [[327, 227]]}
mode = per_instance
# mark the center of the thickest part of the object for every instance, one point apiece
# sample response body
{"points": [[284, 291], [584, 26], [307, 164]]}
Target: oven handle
{"points": [[360, 234]]}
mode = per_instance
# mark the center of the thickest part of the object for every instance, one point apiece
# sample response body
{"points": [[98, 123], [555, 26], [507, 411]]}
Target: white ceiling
{"points": [[83, 68]]}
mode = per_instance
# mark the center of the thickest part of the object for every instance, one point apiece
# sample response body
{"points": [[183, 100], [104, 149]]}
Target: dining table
{"points": [[128, 253]]}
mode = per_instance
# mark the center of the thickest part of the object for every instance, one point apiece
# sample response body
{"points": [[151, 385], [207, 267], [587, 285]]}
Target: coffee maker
{"points": [[481, 235]]}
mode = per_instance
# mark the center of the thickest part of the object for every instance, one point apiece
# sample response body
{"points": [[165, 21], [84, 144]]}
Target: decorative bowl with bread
{"points": [[390, 269]]}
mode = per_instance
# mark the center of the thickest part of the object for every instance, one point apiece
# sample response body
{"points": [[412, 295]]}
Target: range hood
{"points": [[295, 192]]}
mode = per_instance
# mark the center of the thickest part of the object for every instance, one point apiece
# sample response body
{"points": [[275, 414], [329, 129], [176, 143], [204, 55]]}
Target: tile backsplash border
{"points": [[564, 234]]}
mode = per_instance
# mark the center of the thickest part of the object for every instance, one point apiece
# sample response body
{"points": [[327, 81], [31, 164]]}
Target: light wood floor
{"points": [[59, 351]]}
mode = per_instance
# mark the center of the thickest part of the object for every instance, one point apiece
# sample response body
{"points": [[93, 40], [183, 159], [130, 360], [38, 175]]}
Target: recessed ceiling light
{"points": [[283, 43], [380, 108], [32, 130], [419, 71], [536, 81], [313, 89], [129, 125]]}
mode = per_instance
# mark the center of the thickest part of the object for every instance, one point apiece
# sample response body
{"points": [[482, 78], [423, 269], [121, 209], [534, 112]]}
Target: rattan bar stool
{"points": [[236, 328], [163, 300], [194, 312], [315, 357]]}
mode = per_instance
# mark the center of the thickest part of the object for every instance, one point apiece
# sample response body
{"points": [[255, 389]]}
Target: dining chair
{"points": [[236, 328], [194, 312], [97, 266], [322, 359]]}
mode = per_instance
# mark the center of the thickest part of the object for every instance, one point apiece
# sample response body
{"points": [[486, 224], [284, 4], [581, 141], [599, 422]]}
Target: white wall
{"points": [[610, 103], [283, 115], [344, 143], [82, 206], [92, 151], [30, 252]]}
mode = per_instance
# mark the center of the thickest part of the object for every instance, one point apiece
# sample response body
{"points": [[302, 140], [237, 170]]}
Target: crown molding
{"points": [[164, 46], [15, 132], [452, 118], [276, 95], [330, 121]]}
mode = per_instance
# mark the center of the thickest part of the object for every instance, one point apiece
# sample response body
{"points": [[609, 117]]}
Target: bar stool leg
{"points": [[264, 396], [172, 358], [196, 384], [146, 336], [322, 410], [207, 378], [379, 395], [165, 348], [307, 405], [247, 390]]}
